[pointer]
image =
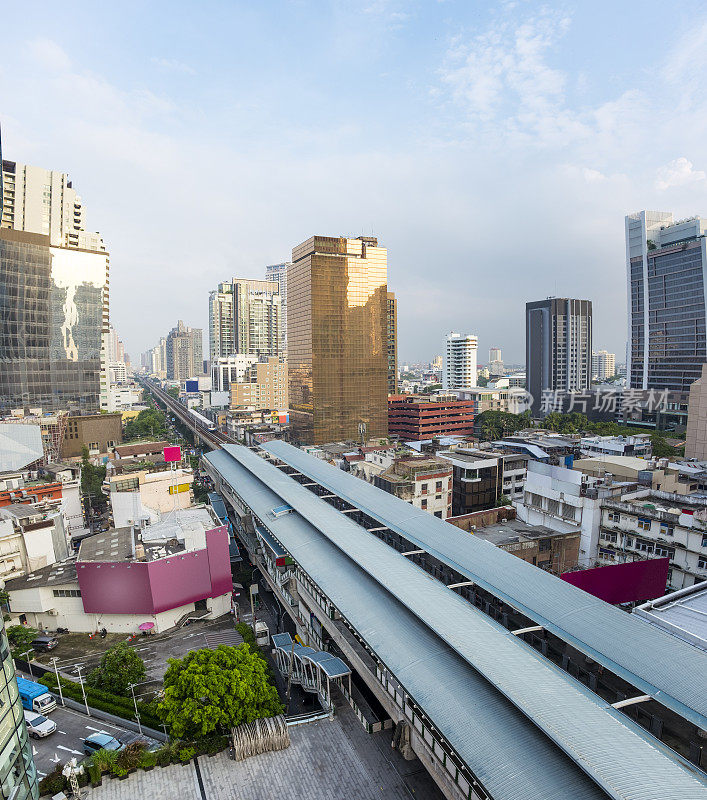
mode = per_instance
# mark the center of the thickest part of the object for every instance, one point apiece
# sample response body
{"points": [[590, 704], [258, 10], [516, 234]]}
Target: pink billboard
{"points": [[634, 581], [173, 453]]}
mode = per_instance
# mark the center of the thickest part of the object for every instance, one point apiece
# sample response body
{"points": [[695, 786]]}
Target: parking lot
{"points": [[67, 740]]}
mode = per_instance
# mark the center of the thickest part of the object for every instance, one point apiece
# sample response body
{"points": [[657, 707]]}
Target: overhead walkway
{"points": [[502, 721], [620, 642]]}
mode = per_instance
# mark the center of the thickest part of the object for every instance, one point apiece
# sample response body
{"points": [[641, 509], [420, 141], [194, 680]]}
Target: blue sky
{"points": [[494, 148]]}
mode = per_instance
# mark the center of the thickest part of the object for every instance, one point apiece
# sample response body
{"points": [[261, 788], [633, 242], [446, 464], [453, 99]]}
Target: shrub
{"points": [[147, 759], [163, 756], [210, 745], [104, 759], [53, 783], [129, 757], [94, 773], [186, 754], [119, 772]]}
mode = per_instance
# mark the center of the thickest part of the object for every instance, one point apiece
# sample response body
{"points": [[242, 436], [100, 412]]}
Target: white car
{"points": [[38, 726]]}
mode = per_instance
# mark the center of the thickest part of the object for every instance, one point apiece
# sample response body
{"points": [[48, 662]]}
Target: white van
{"points": [[38, 726]]}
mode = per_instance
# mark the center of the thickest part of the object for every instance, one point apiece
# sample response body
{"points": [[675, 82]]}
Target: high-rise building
{"points": [[277, 273], [696, 434], [184, 352], [460, 361], [392, 306], [437, 362], [264, 385], [603, 365], [558, 347], [54, 293], [225, 371], [245, 318], [495, 354], [667, 290], [17, 769], [337, 339]]}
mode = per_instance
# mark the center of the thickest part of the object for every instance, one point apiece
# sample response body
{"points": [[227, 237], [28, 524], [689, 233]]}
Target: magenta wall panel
{"points": [[173, 453], [151, 587], [219, 561], [634, 581]]}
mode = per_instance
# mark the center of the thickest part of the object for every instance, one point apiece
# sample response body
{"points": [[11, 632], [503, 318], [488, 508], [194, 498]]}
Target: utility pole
{"points": [[131, 686], [83, 691], [58, 682]]}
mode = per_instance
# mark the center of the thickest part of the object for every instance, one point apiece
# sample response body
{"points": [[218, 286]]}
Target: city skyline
{"points": [[495, 134]]}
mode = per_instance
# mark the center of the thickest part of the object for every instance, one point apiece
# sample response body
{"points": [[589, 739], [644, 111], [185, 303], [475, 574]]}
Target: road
{"points": [[67, 740]]}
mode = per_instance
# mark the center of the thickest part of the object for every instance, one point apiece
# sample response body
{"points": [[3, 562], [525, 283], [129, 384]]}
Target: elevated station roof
{"points": [[643, 655], [525, 728]]}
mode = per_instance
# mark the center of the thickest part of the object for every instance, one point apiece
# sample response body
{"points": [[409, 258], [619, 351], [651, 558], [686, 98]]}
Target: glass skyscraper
{"points": [[665, 262], [53, 311], [337, 339], [18, 775]]}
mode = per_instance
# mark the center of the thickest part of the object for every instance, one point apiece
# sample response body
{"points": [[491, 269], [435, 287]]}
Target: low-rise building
{"points": [[654, 524], [100, 433], [545, 446], [682, 613], [638, 446], [165, 573], [568, 501], [484, 478], [512, 400], [32, 536], [656, 473], [144, 494], [420, 481], [417, 417], [140, 451], [551, 550]]}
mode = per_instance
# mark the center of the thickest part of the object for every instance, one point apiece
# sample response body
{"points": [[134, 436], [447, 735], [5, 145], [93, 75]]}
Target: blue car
{"points": [[100, 741]]}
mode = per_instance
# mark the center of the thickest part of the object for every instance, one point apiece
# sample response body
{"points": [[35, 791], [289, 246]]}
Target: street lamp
{"points": [[132, 686], [58, 682]]}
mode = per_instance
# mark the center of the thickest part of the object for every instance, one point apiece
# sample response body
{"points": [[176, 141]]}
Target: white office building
{"points": [[278, 274], [460, 361]]}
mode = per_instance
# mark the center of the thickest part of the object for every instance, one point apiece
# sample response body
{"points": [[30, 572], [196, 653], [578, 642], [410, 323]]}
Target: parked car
{"points": [[38, 726], [45, 643], [100, 741]]}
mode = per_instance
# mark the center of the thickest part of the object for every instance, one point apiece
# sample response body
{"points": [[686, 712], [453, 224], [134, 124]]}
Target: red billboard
{"points": [[173, 453], [632, 582]]}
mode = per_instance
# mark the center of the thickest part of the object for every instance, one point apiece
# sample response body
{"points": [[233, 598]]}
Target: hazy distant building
{"points": [[558, 347], [665, 263], [245, 317], [337, 337], [277, 273], [460, 361], [437, 363], [603, 365], [696, 436], [54, 296], [184, 352], [495, 354], [392, 306]]}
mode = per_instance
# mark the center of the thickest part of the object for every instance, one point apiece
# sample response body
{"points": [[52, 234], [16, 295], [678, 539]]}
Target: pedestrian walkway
{"points": [[327, 760]]}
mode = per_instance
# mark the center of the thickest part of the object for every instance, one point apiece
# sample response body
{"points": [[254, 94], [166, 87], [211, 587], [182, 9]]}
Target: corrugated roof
{"points": [[639, 653], [439, 646]]}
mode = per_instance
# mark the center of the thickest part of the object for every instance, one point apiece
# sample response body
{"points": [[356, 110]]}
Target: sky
{"points": [[493, 147]]}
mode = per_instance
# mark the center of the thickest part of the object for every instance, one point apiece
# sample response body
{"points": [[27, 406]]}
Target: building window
{"points": [[424, 488], [439, 486], [644, 546], [438, 514], [67, 593], [614, 516], [702, 563], [644, 524], [423, 503], [545, 545], [665, 529], [610, 537], [704, 540]]}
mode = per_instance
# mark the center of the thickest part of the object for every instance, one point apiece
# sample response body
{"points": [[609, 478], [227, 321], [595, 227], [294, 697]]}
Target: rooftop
{"points": [[515, 530], [59, 574], [682, 614], [140, 448]]}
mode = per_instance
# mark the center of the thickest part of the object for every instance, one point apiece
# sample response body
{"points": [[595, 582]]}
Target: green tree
{"points": [[497, 424], [20, 638], [92, 478], [174, 392], [120, 666], [212, 691], [149, 423], [481, 381]]}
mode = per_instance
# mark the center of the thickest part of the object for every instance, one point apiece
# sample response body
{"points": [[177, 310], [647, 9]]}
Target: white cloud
{"points": [[49, 54], [677, 173], [173, 65]]}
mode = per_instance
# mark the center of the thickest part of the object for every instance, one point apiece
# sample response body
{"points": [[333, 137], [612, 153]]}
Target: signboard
{"points": [[173, 453], [179, 488], [634, 581], [191, 386]]}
